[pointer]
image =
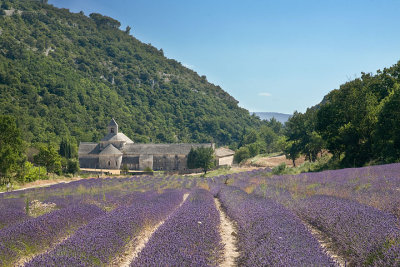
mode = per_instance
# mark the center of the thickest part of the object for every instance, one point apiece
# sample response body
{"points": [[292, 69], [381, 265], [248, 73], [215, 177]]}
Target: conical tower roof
{"points": [[116, 137], [113, 123], [110, 150]]}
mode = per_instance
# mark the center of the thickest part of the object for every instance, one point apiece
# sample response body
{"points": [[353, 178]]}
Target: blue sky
{"points": [[277, 56]]}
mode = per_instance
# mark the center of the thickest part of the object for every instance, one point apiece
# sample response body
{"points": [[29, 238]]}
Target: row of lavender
{"points": [[189, 237], [268, 233], [108, 193], [93, 186], [362, 234], [376, 186], [35, 235], [106, 237]]}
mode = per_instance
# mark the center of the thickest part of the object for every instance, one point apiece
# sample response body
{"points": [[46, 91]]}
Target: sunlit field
{"points": [[331, 218]]}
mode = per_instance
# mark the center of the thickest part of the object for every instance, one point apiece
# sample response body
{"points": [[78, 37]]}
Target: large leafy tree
{"points": [[387, 134], [202, 157], [49, 158], [302, 136], [11, 148]]}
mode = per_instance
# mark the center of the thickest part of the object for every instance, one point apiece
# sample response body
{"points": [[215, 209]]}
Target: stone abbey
{"points": [[116, 150]]}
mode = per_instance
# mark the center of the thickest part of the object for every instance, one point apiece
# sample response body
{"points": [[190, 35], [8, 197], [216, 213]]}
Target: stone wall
{"points": [[169, 162], [112, 162], [89, 161], [145, 161], [225, 161]]}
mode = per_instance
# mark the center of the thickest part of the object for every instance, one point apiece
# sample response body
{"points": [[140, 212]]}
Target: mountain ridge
{"points": [[281, 117], [64, 74]]}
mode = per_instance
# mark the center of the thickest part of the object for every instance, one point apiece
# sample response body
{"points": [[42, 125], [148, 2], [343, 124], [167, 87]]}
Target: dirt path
{"points": [[44, 183], [137, 244], [326, 243], [228, 236]]}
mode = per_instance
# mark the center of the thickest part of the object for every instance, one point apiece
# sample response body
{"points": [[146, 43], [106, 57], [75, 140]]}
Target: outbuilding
{"points": [[224, 156]]}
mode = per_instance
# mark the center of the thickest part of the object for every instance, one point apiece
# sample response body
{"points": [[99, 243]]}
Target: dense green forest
{"points": [[64, 75], [359, 123]]}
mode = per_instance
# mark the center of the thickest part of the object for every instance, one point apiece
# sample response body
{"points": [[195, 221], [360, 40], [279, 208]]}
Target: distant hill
{"points": [[66, 74], [281, 117]]}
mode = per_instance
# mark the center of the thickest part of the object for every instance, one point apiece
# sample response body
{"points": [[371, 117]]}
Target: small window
{"points": [[112, 130], [109, 163]]}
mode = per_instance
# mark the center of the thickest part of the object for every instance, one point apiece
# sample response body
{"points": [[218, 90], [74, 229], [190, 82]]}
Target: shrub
{"points": [[279, 169], [31, 173], [148, 169]]}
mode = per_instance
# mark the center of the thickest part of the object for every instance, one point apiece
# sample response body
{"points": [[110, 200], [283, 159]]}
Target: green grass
{"points": [[216, 172], [321, 164], [254, 159]]}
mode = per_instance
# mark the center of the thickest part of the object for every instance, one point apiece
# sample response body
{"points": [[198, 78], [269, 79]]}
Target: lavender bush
{"points": [[189, 237], [99, 242], [12, 211], [37, 234], [269, 234], [361, 233]]}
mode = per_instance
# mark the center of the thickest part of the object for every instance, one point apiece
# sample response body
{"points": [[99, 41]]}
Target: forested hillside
{"points": [[359, 123], [65, 75]]}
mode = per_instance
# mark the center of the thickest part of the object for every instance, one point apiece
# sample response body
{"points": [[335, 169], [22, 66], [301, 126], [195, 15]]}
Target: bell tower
{"points": [[112, 127]]}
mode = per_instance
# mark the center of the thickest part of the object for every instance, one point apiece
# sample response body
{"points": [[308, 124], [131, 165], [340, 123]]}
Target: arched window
{"points": [[109, 163], [112, 130]]}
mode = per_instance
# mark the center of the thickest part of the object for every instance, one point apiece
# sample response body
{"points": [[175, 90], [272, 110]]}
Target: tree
{"points": [[202, 157], [302, 136], [314, 146], [270, 138], [292, 151], [30, 173], [49, 158], [128, 29], [242, 154], [387, 133], [67, 149], [11, 148], [73, 166], [250, 138], [296, 136], [105, 21]]}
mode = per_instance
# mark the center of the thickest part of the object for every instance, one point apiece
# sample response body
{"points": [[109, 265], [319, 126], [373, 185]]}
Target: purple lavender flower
{"points": [[361, 233], [99, 242], [189, 237], [269, 234], [37, 234]]}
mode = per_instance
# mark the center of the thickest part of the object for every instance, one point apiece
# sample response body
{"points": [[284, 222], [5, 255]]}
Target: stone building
{"points": [[224, 156], [116, 150]]}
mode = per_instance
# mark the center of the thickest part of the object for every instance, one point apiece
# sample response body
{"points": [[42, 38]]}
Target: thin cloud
{"points": [[264, 94], [188, 66]]}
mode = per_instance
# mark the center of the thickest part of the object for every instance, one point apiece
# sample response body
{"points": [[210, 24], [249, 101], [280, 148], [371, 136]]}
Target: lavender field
{"points": [[348, 217]]}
